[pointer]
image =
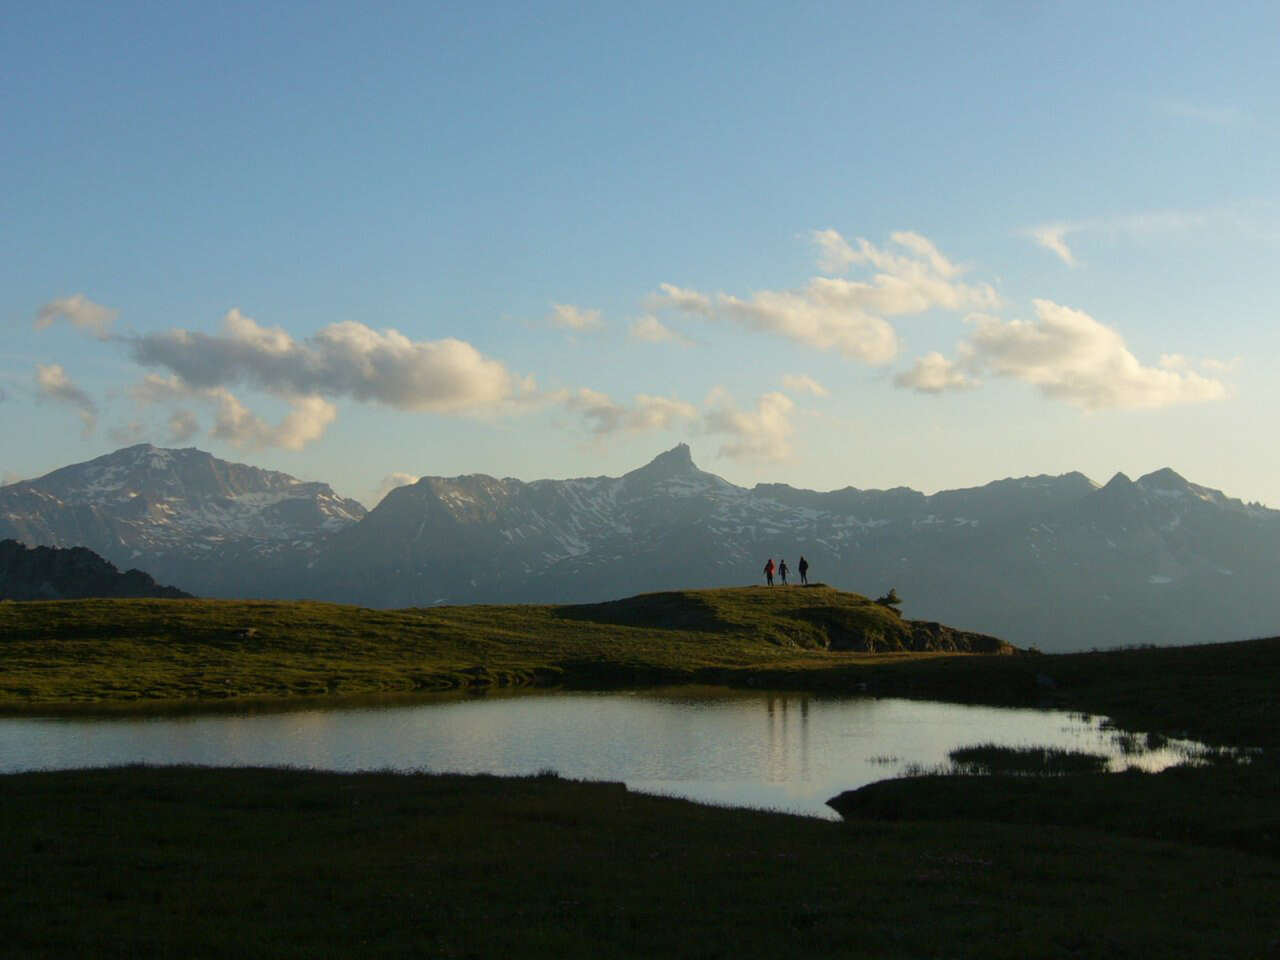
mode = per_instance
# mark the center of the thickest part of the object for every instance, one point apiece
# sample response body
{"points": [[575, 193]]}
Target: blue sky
{"points": [[829, 245]]}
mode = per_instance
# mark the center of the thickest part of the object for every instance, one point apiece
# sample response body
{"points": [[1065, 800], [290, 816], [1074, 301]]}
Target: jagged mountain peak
{"points": [[1120, 481], [1165, 479], [676, 462]]}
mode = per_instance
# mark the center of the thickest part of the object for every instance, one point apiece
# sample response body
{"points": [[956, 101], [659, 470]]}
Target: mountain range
{"points": [[1057, 562]]}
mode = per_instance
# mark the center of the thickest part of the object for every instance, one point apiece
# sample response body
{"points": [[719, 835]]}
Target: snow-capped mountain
{"points": [[182, 515], [1057, 562], [1051, 561], [663, 526]]}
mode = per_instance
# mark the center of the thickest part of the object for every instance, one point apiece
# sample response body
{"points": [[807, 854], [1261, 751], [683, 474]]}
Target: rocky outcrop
{"points": [[48, 573]]}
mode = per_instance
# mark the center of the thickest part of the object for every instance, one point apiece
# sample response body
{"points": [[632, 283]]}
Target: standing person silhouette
{"points": [[768, 572], [782, 571], [803, 567]]}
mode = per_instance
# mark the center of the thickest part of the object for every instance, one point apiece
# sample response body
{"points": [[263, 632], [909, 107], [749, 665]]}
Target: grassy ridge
{"points": [[113, 652]]}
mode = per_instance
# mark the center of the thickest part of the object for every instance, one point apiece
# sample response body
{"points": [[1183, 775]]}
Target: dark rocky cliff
{"points": [[48, 573]]}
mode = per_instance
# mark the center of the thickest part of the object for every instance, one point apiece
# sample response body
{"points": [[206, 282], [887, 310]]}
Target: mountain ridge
{"points": [[1052, 561]]}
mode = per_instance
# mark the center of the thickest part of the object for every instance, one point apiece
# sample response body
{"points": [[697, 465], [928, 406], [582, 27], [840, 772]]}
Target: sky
{"points": [[919, 244]]}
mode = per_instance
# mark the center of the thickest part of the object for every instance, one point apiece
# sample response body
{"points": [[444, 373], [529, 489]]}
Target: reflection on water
{"points": [[789, 751]]}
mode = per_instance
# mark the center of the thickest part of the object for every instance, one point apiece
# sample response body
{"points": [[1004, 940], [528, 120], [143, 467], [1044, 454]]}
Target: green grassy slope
{"points": [[110, 652]]}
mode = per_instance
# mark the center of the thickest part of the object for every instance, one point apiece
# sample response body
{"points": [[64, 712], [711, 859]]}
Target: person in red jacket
{"points": [[768, 572]]}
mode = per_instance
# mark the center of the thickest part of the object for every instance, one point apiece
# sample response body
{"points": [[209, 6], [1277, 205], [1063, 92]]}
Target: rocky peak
{"points": [[1119, 483], [1164, 480], [676, 462], [48, 573]]}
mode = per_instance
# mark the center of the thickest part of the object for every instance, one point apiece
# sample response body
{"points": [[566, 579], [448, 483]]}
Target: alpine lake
{"points": [[789, 751]]}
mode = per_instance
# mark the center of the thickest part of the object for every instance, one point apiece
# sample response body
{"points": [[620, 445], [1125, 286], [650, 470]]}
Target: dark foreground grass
{"points": [[1219, 805], [249, 863]]}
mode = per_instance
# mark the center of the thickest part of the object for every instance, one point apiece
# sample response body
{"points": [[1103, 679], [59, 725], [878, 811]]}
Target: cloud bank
{"points": [[344, 359], [1069, 356], [308, 417], [831, 313]]}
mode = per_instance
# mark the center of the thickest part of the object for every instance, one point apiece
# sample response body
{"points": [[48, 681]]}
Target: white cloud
{"points": [[574, 318], [1053, 237], [934, 373], [52, 383], [802, 383], [825, 315], [671, 297], [760, 434], [847, 316], [835, 255], [80, 311], [307, 420], [652, 330], [1174, 361], [605, 415], [1071, 356], [343, 359]]}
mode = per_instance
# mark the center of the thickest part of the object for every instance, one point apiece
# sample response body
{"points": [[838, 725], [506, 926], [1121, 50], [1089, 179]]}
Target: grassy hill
{"points": [[120, 652]]}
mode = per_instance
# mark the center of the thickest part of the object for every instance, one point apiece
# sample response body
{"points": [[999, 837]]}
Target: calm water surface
{"points": [[785, 751]]}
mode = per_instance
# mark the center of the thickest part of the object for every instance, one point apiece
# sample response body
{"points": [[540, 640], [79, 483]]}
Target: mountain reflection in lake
{"points": [[788, 751]]}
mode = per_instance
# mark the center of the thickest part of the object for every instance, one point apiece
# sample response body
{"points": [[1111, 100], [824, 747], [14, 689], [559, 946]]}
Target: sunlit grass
{"points": [[119, 652]]}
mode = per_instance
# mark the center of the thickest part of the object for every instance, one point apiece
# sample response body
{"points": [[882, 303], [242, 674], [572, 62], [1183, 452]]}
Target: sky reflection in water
{"points": [[788, 751]]}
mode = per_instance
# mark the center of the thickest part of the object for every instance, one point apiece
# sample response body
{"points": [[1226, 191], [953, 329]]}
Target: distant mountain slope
{"points": [[185, 515], [1051, 561], [47, 573]]}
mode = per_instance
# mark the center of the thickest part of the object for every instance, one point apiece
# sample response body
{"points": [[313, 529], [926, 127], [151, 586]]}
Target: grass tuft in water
{"points": [[989, 759]]}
